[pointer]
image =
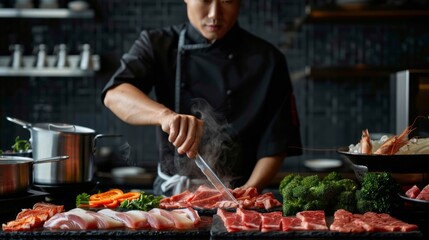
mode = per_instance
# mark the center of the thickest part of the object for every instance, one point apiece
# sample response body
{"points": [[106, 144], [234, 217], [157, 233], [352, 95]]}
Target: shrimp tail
{"points": [[365, 142]]}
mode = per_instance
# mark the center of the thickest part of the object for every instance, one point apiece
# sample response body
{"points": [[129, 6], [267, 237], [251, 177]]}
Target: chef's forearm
{"points": [[133, 106], [264, 171]]}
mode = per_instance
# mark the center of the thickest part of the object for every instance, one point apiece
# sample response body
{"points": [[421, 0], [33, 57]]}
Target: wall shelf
{"points": [[44, 13], [50, 71], [358, 71], [369, 14]]}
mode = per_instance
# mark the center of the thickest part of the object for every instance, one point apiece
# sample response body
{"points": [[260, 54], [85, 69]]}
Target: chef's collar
{"points": [[196, 37]]}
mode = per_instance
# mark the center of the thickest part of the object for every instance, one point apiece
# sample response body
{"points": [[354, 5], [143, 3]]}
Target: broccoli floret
{"points": [[346, 200], [348, 184], [332, 176], [312, 193], [315, 205], [378, 193], [286, 180], [291, 207], [311, 180]]}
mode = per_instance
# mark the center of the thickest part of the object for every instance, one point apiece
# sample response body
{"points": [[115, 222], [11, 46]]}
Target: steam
{"points": [[216, 137]]}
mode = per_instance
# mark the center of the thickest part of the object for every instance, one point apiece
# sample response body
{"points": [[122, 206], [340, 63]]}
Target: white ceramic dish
{"points": [[324, 164]]}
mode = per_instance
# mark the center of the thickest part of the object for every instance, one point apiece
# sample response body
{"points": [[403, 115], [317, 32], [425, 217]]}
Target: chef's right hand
{"points": [[184, 132]]}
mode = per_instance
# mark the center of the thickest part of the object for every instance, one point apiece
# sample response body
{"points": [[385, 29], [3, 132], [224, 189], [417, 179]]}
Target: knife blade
{"points": [[214, 179]]}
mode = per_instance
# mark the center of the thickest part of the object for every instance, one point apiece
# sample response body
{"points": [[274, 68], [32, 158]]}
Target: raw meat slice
{"points": [[250, 219], [267, 201], [413, 192], [189, 213], [291, 224], [424, 194], [131, 219], [105, 222], [313, 220], [231, 220], [180, 221], [271, 221], [159, 222], [345, 221], [31, 218]]}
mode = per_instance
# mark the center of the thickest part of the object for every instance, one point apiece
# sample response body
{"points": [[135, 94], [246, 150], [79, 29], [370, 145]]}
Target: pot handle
{"points": [[51, 159], [19, 122], [63, 128], [102, 136]]}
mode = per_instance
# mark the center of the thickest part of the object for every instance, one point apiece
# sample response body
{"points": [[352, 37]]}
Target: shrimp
{"points": [[365, 142], [393, 144]]}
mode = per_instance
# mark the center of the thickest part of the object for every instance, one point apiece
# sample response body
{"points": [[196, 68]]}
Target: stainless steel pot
{"points": [[16, 173], [53, 139]]}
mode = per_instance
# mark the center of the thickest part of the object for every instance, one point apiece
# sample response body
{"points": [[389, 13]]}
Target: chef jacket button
{"points": [[231, 56], [228, 92]]}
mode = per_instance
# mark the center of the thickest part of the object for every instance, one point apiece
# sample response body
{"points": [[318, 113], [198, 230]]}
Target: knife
{"points": [[211, 176]]}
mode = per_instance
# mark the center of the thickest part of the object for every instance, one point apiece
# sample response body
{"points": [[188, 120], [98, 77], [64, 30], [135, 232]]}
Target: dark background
{"points": [[355, 57]]}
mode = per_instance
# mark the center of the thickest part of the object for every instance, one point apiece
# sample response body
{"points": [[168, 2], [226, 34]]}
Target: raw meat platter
{"points": [[218, 230], [203, 230]]}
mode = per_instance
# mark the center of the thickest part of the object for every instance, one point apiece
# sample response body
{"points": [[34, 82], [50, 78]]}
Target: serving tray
{"points": [[218, 230], [202, 231], [402, 163]]}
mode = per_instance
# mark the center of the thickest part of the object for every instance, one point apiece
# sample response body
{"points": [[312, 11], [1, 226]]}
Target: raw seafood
{"points": [[29, 219]]}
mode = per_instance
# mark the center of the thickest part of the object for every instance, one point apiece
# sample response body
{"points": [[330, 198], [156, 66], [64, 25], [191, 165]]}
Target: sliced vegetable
{"points": [[114, 198], [106, 195]]}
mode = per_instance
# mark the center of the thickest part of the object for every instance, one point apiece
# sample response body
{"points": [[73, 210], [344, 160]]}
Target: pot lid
{"points": [[63, 128], [7, 160]]}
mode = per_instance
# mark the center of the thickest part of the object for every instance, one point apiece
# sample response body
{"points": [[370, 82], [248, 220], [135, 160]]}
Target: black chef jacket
{"points": [[244, 80]]}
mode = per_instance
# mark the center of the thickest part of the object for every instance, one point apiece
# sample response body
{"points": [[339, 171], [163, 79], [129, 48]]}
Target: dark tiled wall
{"points": [[343, 106]]}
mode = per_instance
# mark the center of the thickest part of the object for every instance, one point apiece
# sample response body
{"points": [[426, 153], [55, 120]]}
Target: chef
{"points": [[219, 91]]}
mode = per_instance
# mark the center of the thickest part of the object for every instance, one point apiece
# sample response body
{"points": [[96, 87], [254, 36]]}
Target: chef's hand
{"points": [[184, 132]]}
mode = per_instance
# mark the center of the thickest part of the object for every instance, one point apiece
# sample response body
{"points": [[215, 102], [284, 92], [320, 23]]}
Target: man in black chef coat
{"points": [[204, 71]]}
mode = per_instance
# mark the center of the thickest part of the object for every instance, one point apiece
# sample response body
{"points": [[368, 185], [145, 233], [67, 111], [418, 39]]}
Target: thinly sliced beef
{"points": [[207, 198]]}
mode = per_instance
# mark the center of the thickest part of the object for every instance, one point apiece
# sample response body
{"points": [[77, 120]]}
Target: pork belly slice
{"points": [[190, 213], [271, 221], [290, 223], [313, 220], [250, 219], [74, 219], [105, 222], [158, 222], [231, 220], [180, 221], [130, 219]]}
